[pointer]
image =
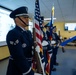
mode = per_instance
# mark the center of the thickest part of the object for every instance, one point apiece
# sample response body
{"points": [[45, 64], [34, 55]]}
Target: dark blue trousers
{"points": [[55, 50], [14, 70]]}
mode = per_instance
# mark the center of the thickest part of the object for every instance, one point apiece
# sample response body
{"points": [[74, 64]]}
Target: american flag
{"points": [[38, 25], [41, 22], [39, 36]]}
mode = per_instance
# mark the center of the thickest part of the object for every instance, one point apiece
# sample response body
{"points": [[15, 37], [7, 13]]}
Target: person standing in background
{"points": [[51, 45], [57, 40]]}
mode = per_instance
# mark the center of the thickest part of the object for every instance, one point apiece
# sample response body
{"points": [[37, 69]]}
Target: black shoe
{"points": [[53, 69], [56, 64]]}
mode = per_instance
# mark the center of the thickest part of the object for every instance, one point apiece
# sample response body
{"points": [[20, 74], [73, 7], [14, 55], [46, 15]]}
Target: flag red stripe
{"points": [[37, 26], [38, 35]]}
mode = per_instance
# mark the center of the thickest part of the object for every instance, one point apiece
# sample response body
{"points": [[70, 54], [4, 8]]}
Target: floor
{"points": [[3, 66], [67, 63]]}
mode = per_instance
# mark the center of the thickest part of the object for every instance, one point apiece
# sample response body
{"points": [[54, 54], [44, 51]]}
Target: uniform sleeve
{"points": [[16, 51], [48, 34], [58, 38]]}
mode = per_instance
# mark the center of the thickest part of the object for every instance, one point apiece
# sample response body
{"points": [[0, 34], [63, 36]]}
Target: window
{"points": [[70, 26], [6, 24]]}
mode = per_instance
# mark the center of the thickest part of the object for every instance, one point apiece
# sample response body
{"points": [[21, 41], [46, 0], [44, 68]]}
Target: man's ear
{"points": [[15, 20]]}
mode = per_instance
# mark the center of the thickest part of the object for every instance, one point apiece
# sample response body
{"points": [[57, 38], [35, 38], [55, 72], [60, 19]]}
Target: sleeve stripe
{"points": [[27, 72], [50, 50]]}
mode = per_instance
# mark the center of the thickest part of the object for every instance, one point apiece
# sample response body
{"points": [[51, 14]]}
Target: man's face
{"points": [[25, 19], [20, 23], [48, 28], [54, 30]]}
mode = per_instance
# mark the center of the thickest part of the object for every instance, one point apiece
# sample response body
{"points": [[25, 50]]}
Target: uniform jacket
{"points": [[20, 47], [55, 37]]}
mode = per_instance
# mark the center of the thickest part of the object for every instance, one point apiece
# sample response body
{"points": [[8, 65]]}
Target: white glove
{"points": [[53, 42], [50, 55], [37, 48], [57, 45], [37, 74]]}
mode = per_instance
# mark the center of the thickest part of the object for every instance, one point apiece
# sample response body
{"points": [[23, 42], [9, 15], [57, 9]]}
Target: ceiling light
{"points": [[47, 19]]}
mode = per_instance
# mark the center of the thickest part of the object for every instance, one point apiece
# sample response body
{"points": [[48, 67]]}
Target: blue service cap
{"points": [[47, 25], [21, 11]]}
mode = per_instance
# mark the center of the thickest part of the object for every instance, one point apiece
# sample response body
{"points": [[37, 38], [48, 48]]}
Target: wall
{"points": [[4, 52], [60, 26]]}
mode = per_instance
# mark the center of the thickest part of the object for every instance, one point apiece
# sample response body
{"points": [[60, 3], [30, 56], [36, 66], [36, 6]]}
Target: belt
{"points": [[29, 59], [11, 58]]}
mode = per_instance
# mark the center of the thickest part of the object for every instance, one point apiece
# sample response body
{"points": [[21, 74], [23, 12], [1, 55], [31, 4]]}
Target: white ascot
{"points": [[44, 43]]}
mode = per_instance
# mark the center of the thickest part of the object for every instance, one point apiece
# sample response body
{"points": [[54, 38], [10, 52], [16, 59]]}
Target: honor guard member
{"points": [[47, 49], [19, 43], [55, 38], [47, 26]]}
